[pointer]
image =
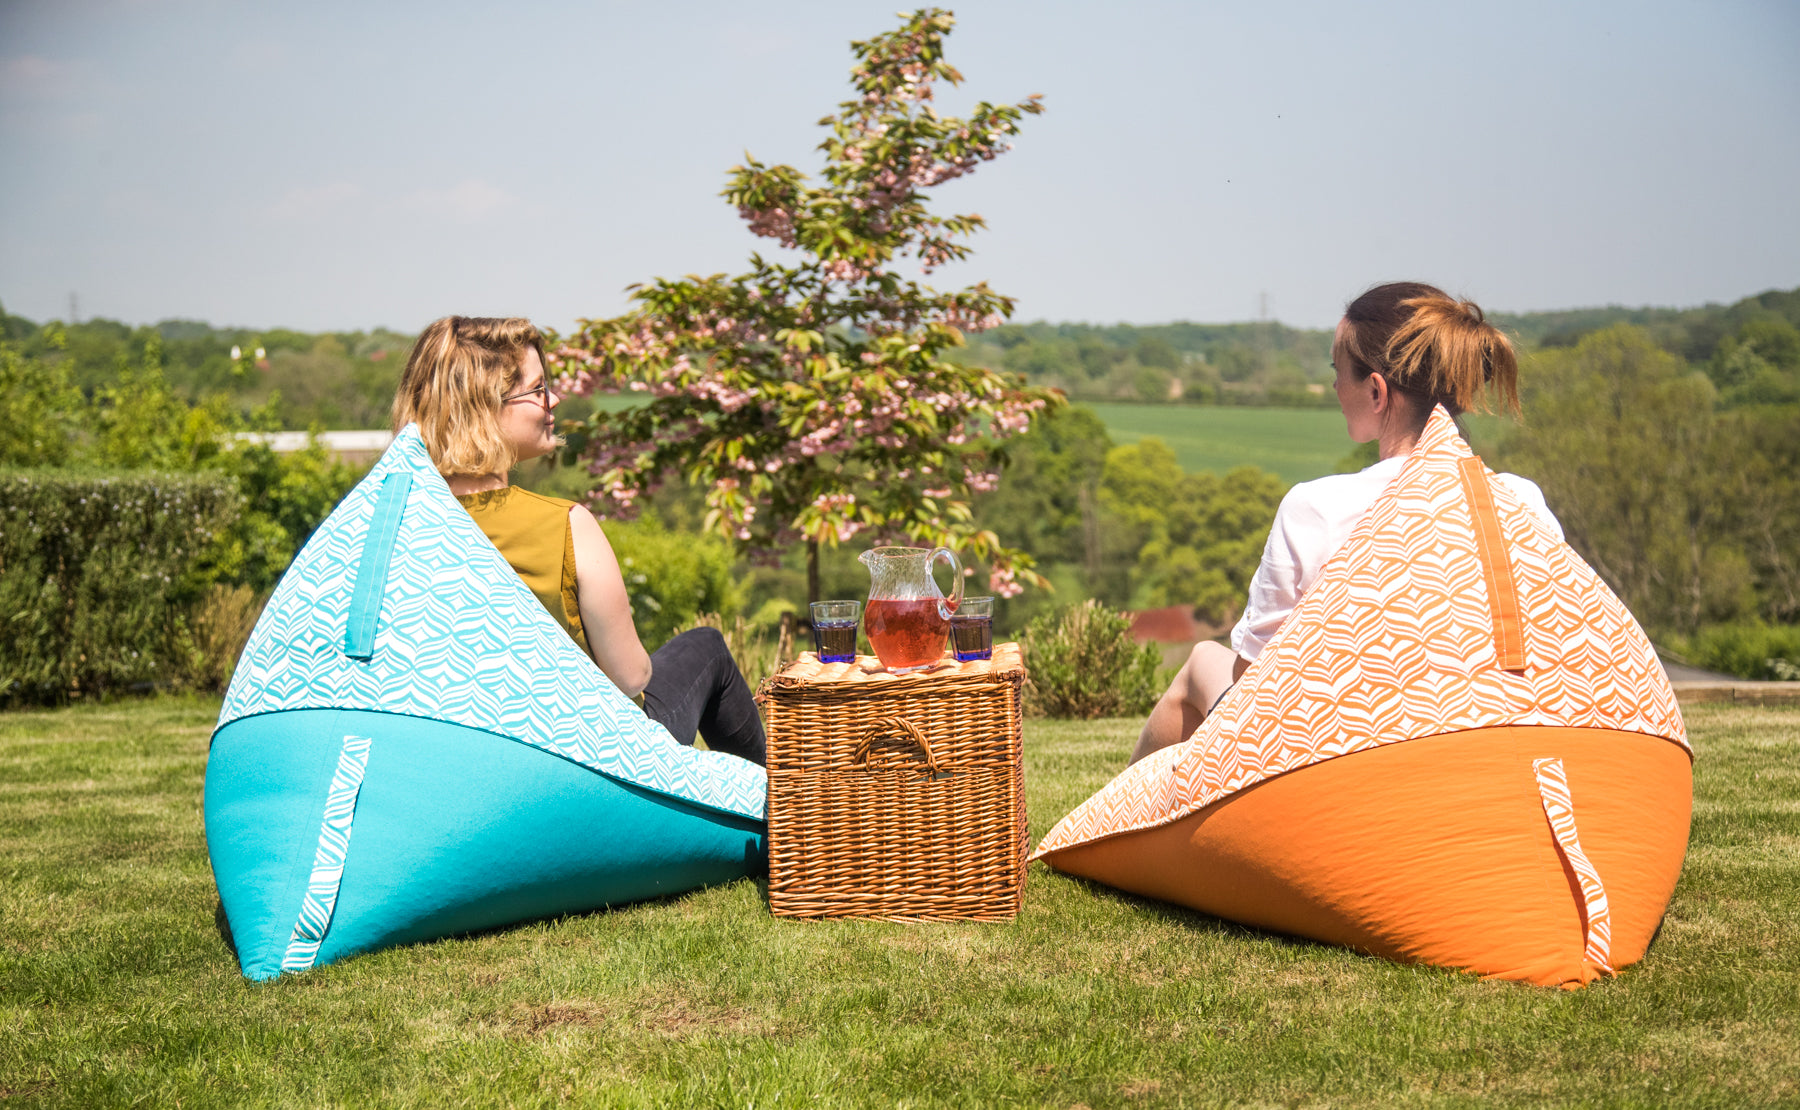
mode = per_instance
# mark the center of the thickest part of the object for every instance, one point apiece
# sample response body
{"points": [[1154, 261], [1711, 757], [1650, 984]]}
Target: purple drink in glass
{"points": [[972, 629], [835, 641], [834, 630]]}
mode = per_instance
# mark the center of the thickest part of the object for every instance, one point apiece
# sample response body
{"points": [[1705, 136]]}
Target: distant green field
{"points": [[1297, 444]]}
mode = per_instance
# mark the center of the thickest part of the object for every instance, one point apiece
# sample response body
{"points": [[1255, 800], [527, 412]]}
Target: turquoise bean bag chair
{"points": [[411, 747]]}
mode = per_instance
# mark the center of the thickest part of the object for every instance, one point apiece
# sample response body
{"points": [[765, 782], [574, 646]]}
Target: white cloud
{"points": [[256, 56], [28, 75], [466, 200], [48, 98], [758, 40], [132, 204], [306, 201]]}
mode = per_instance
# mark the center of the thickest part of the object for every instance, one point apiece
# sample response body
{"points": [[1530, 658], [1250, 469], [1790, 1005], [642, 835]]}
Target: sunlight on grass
{"points": [[116, 986], [1296, 444]]}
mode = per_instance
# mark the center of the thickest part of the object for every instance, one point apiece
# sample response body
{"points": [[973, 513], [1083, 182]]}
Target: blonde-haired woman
{"points": [[1400, 350], [476, 388]]}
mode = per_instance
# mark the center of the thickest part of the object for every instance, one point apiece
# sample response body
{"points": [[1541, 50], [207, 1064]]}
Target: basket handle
{"points": [[889, 726]]}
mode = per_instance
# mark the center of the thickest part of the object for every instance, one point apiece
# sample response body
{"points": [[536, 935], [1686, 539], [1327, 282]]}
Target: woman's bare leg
{"points": [[1209, 671]]}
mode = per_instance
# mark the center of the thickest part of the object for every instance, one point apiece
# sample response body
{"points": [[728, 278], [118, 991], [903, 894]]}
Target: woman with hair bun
{"points": [[1401, 350], [476, 388]]}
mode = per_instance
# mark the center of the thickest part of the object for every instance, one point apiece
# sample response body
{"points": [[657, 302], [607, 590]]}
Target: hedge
{"points": [[1754, 650], [98, 573]]}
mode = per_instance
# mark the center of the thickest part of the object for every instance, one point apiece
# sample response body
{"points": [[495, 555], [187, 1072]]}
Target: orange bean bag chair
{"points": [[1460, 750]]}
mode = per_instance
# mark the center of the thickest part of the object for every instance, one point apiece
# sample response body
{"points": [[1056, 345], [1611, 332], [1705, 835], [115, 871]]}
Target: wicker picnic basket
{"points": [[896, 796]]}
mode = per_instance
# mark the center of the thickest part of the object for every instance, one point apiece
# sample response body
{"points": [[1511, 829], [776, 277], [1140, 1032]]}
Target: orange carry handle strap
{"points": [[1490, 545]]}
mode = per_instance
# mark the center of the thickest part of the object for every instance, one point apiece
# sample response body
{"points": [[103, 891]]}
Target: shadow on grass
{"points": [[222, 922], [1202, 922], [1173, 913]]}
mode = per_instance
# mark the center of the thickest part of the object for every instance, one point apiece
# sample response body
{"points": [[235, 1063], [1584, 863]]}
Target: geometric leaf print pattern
{"points": [[460, 639], [328, 863], [1395, 641], [1559, 808]]}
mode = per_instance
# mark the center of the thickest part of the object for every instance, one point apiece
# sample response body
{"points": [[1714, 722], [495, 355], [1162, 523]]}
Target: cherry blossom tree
{"points": [[815, 400]]}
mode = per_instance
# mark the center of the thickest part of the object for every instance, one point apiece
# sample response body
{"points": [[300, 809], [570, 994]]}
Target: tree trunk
{"points": [[812, 571]]}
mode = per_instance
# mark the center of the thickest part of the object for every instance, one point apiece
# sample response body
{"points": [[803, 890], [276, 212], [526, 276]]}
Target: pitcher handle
{"points": [[956, 583]]}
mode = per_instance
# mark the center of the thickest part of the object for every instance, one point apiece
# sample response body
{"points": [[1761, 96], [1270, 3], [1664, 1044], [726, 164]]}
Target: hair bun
{"points": [[1438, 348]]}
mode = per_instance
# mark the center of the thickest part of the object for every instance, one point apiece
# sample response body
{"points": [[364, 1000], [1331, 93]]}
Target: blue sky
{"points": [[351, 165]]}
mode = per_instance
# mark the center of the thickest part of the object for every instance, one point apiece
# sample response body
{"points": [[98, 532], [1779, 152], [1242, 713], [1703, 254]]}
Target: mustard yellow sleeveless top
{"points": [[532, 533]]}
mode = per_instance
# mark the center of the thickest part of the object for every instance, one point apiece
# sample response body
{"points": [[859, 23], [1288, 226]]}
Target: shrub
{"points": [[672, 577], [218, 627], [39, 407], [1757, 651], [285, 497], [1083, 663], [97, 574], [759, 651]]}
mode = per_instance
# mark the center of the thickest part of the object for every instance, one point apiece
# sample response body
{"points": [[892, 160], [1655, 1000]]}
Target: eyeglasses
{"points": [[541, 391]]}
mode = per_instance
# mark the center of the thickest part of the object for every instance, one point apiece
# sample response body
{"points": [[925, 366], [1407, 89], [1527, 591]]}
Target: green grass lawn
{"points": [[1297, 444], [116, 988]]}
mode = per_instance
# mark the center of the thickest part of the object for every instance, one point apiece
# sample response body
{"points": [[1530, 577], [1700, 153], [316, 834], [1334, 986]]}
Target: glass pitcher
{"points": [[908, 616]]}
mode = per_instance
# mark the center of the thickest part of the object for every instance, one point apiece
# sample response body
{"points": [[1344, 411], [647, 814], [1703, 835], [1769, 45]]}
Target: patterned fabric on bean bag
{"points": [[1459, 750], [411, 747]]}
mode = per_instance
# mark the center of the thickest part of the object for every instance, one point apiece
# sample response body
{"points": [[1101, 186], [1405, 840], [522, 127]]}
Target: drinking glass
{"points": [[834, 630], [972, 629]]}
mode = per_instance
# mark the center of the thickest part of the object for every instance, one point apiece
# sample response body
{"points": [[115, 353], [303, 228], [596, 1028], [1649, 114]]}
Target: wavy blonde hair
{"points": [[458, 371]]}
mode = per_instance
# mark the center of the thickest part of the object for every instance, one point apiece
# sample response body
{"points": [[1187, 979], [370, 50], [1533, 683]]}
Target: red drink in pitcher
{"points": [[906, 635], [906, 618]]}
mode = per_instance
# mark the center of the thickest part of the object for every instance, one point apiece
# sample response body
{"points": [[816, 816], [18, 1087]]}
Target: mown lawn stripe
{"points": [[116, 987]]}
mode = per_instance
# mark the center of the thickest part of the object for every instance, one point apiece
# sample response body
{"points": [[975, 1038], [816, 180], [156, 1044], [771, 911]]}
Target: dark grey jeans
{"points": [[695, 686]]}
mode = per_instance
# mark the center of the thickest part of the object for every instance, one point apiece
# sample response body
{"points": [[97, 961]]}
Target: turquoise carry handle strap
{"points": [[372, 568]]}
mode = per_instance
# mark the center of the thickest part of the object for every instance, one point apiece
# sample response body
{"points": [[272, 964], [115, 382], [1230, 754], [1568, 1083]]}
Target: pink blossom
{"points": [[1001, 581], [771, 223]]}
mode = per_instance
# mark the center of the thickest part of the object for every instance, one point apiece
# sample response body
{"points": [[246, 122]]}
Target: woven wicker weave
{"points": [[896, 796]]}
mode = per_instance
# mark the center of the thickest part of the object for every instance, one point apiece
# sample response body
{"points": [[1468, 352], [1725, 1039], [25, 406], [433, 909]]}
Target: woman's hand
{"points": [[606, 607]]}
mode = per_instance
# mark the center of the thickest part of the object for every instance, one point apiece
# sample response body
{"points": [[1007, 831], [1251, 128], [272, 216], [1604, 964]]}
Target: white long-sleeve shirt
{"points": [[1314, 520]]}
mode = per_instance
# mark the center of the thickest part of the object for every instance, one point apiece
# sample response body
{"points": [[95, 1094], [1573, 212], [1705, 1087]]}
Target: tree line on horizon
{"points": [[1750, 349]]}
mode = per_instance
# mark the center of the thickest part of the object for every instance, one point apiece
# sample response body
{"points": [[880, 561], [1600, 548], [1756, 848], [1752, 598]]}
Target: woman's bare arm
{"points": [[606, 607]]}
